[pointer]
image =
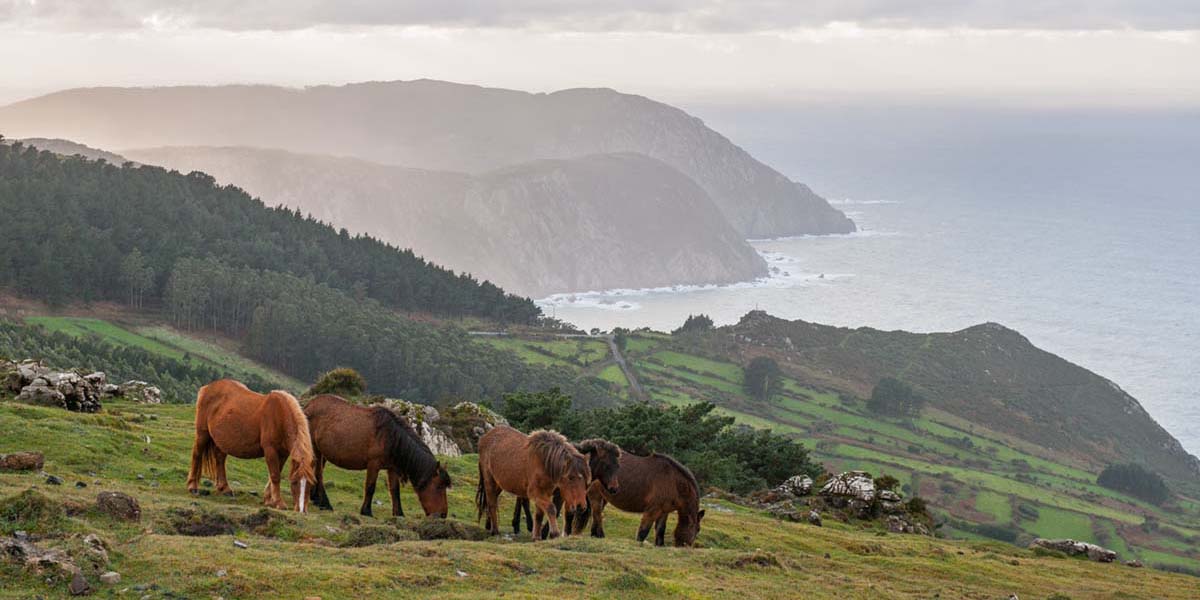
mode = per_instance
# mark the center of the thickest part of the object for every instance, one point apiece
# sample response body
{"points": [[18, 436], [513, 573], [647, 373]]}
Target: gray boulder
{"points": [[853, 489], [795, 486], [1077, 548], [140, 392]]}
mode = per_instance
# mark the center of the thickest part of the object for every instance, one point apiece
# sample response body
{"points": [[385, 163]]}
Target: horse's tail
{"points": [[299, 440], [480, 497], [208, 453]]}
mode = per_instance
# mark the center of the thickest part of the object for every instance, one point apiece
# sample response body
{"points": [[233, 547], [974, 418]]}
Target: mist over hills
{"points": [[595, 222], [435, 125]]}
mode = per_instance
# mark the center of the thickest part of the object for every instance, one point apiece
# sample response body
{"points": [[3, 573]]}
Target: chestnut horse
{"points": [[374, 438], [654, 486], [529, 466], [232, 420], [603, 457]]}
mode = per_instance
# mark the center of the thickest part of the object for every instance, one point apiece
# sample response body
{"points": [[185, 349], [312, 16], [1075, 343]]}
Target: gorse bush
{"points": [[762, 377], [341, 382]]}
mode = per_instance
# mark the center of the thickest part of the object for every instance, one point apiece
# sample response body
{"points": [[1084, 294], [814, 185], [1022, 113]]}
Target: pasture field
{"points": [[167, 342], [144, 451], [937, 447]]}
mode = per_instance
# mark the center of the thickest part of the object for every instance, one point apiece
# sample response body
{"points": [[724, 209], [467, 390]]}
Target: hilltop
{"points": [[439, 126]]}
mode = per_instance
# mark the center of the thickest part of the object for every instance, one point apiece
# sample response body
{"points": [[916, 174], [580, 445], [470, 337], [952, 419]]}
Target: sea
{"points": [[1078, 228]]}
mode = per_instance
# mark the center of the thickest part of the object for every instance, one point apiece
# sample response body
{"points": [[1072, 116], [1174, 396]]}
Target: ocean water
{"points": [[1079, 229]]}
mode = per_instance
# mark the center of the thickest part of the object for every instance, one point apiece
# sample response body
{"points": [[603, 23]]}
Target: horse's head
{"points": [[303, 479], [604, 460], [573, 482], [432, 495], [688, 530]]}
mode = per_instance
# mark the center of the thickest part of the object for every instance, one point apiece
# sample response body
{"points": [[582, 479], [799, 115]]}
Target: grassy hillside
{"points": [[975, 477], [143, 451], [980, 482]]}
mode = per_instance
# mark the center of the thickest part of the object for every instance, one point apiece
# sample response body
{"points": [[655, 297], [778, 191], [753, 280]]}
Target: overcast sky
{"points": [[1056, 52]]}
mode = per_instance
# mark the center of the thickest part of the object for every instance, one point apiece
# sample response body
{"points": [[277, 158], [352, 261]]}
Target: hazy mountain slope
{"points": [[987, 374], [597, 222], [435, 125]]}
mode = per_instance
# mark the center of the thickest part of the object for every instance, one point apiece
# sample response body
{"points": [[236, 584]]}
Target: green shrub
{"points": [[341, 381]]}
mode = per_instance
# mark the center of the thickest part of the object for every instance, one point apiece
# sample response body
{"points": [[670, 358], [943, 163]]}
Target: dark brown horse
{"points": [[374, 438], [530, 467], [603, 461], [233, 421], [655, 486]]}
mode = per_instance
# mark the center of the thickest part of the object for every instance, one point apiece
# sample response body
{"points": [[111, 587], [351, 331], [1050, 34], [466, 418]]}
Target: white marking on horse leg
{"points": [[303, 482]]}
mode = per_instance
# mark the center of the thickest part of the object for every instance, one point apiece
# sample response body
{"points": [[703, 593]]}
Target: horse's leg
{"points": [[394, 490], [369, 489], [222, 481], [536, 532], [516, 522], [491, 492], [644, 528], [596, 502], [546, 506], [274, 468], [199, 446], [660, 531], [319, 497]]}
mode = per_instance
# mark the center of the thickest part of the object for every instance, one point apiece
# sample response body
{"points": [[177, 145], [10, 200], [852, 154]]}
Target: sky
{"points": [[1123, 53]]}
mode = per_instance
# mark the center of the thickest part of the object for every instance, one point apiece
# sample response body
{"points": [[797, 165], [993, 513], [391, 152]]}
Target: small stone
{"points": [[78, 586], [222, 572], [54, 480], [460, 573], [111, 578], [140, 476], [80, 485], [240, 544], [1137, 564], [21, 535]]}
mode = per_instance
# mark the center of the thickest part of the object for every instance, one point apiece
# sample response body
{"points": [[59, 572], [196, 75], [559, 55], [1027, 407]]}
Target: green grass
{"points": [[77, 326], [301, 557], [1057, 523], [996, 505], [613, 374], [218, 355]]}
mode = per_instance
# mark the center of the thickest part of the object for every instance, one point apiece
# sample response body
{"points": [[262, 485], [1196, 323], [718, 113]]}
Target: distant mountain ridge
{"points": [[436, 125], [594, 222]]}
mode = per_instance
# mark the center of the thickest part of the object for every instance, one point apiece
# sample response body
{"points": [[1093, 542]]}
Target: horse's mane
{"points": [[612, 448], [405, 449], [557, 454], [686, 472], [299, 444]]}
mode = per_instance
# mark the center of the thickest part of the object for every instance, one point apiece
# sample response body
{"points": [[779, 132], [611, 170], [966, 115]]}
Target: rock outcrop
{"points": [[796, 486], [853, 489], [34, 383], [1077, 548], [423, 419]]}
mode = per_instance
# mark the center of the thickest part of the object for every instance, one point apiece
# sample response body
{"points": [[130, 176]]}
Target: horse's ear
{"points": [[700, 515], [585, 447]]}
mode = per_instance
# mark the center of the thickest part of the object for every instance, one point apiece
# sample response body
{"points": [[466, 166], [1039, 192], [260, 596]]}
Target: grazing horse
{"points": [[233, 421], [654, 486], [529, 466], [603, 461], [374, 438]]}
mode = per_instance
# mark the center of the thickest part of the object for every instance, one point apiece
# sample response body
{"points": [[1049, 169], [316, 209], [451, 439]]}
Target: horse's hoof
{"points": [[194, 491], [228, 494]]}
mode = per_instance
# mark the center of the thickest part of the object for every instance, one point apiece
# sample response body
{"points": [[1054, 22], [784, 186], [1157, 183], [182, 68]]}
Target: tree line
{"points": [[82, 230]]}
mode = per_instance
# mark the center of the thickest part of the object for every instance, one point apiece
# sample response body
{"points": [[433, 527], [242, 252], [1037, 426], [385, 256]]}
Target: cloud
{"points": [[683, 16]]}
